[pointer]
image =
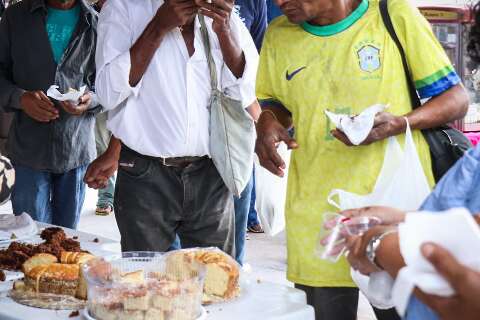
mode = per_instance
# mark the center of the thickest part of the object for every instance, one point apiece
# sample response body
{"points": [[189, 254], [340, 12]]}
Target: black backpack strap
{"points": [[387, 21]]}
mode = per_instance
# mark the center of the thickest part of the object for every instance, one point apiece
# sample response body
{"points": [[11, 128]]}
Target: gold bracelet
{"points": [[270, 112]]}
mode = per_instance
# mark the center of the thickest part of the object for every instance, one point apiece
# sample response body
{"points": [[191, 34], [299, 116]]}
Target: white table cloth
{"points": [[259, 300]]}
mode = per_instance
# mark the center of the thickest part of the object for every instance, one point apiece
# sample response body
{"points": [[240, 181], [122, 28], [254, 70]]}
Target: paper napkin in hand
{"points": [[455, 230], [73, 96], [356, 128]]}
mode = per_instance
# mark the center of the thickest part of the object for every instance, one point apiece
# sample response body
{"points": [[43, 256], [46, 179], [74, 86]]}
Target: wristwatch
{"points": [[373, 246]]}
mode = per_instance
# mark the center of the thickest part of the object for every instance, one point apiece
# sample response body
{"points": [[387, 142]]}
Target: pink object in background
{"points": [[474, 137]]}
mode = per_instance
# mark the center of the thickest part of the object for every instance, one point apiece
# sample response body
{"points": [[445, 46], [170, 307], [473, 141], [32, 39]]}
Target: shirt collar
{"points": [[342, 25]]}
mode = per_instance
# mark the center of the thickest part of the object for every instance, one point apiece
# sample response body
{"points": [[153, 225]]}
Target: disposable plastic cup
{"points": [[359, 225], [331, 238]]}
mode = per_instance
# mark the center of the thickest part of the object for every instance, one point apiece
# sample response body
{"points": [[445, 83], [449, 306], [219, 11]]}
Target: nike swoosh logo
{"points": [[294, 73]]}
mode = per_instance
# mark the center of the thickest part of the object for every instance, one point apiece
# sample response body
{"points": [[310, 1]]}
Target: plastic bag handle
{"points": [[333, 193]]}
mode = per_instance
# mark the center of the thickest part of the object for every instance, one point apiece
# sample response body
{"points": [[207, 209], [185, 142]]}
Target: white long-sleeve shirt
{"points": [[165, 114]]}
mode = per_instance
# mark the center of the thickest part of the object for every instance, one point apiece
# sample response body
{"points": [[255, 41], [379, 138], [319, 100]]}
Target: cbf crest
{"points": [[369, 58]]}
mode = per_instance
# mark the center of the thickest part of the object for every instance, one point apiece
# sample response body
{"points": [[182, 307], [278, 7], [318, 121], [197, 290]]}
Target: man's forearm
{"points": [[388, 255], [283, 116], [232, 54], [447, 107], [142, 52], [114, 147]]}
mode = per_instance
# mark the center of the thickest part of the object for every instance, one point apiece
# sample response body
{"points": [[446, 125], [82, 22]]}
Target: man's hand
{"points": [[269, 134], [100, 170], [219, 11], [387, 215], [77, 110], [465, 281], [38, 106], [385, 125], [175, 13]]}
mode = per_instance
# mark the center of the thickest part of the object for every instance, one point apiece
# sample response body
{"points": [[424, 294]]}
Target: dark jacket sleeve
{"points": [[259, 24], [10, 94]]}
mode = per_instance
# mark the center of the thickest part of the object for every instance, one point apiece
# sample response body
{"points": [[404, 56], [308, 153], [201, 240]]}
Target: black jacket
{"points": [[27, 64]]}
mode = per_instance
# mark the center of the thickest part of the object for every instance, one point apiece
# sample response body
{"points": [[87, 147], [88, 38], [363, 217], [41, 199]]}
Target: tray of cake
{"points": [[149, 285], [46, 275]]}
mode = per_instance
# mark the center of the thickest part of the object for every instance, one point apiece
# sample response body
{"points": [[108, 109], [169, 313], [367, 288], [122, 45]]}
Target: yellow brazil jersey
{"points": [[345, 67]]}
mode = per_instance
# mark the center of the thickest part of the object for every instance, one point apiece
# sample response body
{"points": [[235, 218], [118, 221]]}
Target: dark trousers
{"points": [[339, 304], [153, 203]]}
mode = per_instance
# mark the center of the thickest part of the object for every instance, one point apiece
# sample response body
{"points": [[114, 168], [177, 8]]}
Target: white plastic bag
{"points": [[401, 184], [271, 192]]}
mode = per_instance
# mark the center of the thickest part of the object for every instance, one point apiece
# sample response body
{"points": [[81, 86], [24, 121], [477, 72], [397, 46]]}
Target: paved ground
{"points": [[265, 255]]}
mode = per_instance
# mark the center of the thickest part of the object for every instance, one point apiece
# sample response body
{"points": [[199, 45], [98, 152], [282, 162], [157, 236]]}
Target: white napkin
{"points": [[21, 226], [356, 128], [73, 96], [455, 230]]}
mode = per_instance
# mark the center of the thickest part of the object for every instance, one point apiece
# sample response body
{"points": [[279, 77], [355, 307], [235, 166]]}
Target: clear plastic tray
{"points": [[137, 284]]}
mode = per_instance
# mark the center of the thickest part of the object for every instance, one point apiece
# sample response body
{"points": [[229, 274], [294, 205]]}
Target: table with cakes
{"points": [[48, 272]]}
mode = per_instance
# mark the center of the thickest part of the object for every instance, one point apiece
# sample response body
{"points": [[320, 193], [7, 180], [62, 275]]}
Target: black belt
{"points": [[177, 162]]}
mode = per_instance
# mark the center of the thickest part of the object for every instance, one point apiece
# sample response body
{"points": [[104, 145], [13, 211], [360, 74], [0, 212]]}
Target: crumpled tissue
{"points": [[73, 96], [356, 128]]}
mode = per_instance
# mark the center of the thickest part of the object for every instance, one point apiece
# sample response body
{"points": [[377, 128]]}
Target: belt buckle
{"points": [[164, 162]]}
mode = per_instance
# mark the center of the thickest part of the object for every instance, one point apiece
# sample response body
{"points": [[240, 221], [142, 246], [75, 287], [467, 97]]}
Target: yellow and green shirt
{"points": [[345, 67]]}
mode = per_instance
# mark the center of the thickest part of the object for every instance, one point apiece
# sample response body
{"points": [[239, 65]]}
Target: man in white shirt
{"points": [[152, 76]]}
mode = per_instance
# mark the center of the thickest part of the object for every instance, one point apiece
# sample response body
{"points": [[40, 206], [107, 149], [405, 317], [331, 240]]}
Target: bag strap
{"points": [[208, 52], [387, 21]]}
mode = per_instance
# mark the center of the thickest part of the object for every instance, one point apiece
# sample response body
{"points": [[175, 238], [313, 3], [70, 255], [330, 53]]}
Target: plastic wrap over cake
{"points": [[222, 278], [143, 286]]}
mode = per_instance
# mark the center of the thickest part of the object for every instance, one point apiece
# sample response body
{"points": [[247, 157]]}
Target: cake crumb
{"points": [[96, 240], [259, 281], [74, 314], [75, 238], [3, 277]]}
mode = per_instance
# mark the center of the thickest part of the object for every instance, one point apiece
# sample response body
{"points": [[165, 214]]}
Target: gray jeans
{"points": [[154, 202], [102, 139]]}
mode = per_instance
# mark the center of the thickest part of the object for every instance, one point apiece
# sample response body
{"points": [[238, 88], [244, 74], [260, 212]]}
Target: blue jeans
{"points": [[252, 213], [48, 197], [242, 208]]}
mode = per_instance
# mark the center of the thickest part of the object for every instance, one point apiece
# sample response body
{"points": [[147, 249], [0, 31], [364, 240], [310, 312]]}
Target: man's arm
{"points": [[445, 108], [121, 66], [104, 166], [272, 129], [449, 106], [232, 53], [13, 98], [10, 94], [170, 15]]}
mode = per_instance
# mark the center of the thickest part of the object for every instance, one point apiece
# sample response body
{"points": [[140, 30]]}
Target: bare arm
{"points": [[170, 15], [281, 115], [221, 12], [447, 107], [100, 170], [440, 110], [272, 129], [388, 255]]}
